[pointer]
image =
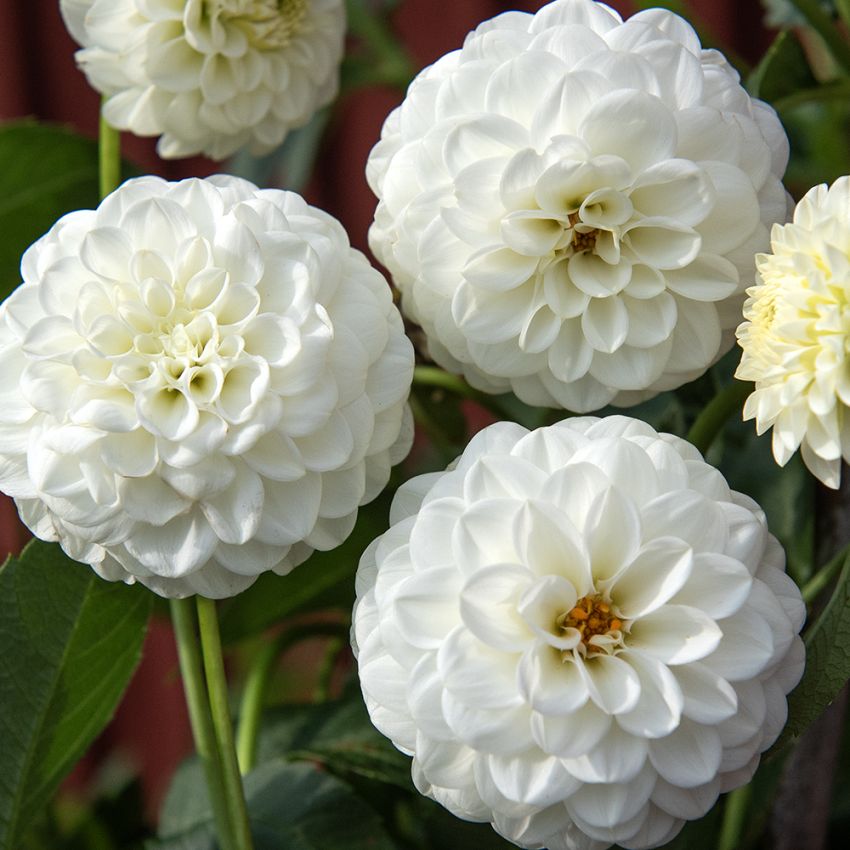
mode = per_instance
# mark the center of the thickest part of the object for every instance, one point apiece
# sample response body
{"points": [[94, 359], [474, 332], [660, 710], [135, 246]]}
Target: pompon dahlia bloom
{"points": [[201, 381], [796, 336], [580, 633], [570, 204], [210, 76]]}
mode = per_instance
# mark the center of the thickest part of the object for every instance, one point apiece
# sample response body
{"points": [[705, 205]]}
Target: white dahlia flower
{"points": [[570, 204], [796, 335], [201, 381], [580, 633], [210, 76]]}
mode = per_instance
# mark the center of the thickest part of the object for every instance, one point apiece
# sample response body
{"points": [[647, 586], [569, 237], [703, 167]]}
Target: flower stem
{"points": [[822, 23], [734, 818], [185, 632], [253, 695], [326, 669], [109, 158], [843, 7], [217, 690], [714, 415], [812, 588], [431, 376]]}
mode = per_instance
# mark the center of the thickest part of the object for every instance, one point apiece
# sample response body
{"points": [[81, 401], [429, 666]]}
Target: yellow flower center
{"points": [[593, 616]]}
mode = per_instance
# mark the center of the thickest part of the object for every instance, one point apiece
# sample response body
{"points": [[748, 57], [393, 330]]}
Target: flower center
{"points": [[584, 241], [596, 621], [269, 24]]}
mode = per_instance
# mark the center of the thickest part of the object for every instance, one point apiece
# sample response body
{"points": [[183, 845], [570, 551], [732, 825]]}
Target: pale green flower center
{"points": [[269, 24]]}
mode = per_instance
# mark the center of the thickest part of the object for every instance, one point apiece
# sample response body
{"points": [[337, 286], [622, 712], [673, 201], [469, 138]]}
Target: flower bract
{"points": [[796, 335], [580, 633], [201, 381], [210, 76], [570, 204]]}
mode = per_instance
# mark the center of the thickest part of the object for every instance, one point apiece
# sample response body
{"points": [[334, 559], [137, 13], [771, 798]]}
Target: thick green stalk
{"points": [[185, 632], [109, 158], [734, 818], [256, 685], [715, 414], [824, 25], [217, 690]]}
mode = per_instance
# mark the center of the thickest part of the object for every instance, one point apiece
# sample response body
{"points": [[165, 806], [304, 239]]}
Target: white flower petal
{"points": [[570, 734], [658, 571], [488, 606], [675, 634], [689, 756], [538, 780], [618, 757]]}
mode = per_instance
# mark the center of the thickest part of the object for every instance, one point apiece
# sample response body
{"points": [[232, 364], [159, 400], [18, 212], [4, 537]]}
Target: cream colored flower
{"points": [[201, 382], [570, 204], [797, 334], [210, 76], [579, 633]]}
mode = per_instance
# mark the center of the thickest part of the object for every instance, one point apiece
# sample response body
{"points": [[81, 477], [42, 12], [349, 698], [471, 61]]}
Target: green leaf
{"points": [[432, 826], [70, 644], [338, 735], [291, 807], [45, 172], [827, 661], [325, 579], [783, 70]]}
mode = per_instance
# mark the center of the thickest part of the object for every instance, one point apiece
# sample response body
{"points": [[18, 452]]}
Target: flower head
{"points": [[210, 76], [201, 381], [796, 336], [580, 633], [571, 203]]}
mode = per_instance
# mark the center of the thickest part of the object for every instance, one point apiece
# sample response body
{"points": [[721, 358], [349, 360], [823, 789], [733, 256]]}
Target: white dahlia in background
{"points": [[580, 633], [570, 204], [201, 381], [796, 338], [210, 76]]}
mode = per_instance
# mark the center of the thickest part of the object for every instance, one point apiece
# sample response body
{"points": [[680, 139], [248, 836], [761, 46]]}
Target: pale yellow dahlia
{"points": [[795, 339]]}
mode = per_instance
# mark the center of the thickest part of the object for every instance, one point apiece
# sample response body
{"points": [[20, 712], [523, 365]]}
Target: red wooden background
{"points": [[39, 78]]}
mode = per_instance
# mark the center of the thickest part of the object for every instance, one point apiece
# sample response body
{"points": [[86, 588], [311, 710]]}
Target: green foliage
{"points": [[339, 736], [827, 660], [783, 71], [70, 644], [45, 172], [291, 806]]}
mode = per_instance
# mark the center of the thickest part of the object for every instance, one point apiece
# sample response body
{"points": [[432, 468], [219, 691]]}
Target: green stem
{"points": [[713, 417], [843, 7], [326, 669], [256, 685], [824, 25], [838, 90], [431, 376], [217, 690], [391, 64], [185, 632], [821, 579], [734, 818], [109, 158]]}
